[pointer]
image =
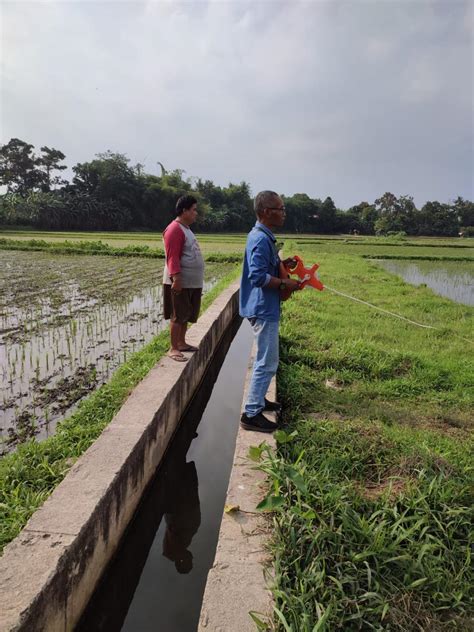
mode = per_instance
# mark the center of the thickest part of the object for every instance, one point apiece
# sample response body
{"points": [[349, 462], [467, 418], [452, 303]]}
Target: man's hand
{"points": [[289, 263], [177, 286], [292, 284]]}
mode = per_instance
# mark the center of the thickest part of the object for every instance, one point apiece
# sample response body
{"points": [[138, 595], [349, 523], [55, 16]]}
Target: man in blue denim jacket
{"points": [[260, 290]]}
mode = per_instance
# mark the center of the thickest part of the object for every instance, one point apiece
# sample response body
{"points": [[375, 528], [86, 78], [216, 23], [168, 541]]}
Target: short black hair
{"points": [[184, 203]]}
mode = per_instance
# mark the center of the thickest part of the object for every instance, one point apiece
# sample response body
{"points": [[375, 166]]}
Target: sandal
{"points": [[189, 348], [177, 356]]}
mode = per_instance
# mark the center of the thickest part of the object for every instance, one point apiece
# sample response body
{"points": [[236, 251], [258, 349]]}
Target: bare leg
{"points": [[175, 351], [175, 331], [182, 337], [182, 344]]}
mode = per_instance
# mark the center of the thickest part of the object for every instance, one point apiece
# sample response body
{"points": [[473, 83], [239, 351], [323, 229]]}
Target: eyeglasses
{"points": [[277, 208]]}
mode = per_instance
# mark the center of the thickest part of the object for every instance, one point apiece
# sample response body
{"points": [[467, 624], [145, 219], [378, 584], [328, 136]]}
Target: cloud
{"points": [[340, 98]]}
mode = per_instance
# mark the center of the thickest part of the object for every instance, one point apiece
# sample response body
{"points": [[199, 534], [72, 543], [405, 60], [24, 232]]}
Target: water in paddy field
{"points": [[48, 372], [453, 280], [156, 581], [66, 324]]}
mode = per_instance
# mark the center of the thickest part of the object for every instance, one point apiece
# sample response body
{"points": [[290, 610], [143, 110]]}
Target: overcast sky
{"points": [[342, 98]]}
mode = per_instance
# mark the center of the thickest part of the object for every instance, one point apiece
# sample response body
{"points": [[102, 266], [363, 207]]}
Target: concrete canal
{"points": [[157, 578]]}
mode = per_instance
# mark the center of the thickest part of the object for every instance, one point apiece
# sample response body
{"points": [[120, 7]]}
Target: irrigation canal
{"points": [[157, 579]]}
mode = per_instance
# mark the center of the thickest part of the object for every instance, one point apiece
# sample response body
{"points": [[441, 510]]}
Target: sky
{"points": [[347, 99]]}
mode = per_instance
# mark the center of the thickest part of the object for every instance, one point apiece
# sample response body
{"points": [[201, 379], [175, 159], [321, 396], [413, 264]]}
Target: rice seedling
{"points": [[67, 313]]}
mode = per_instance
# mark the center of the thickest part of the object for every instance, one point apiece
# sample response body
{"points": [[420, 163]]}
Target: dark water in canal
{"points": [[156, 581]]}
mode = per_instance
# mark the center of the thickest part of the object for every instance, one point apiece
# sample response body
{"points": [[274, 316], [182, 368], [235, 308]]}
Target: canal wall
{"points": [[237, 583], [49, 572]]}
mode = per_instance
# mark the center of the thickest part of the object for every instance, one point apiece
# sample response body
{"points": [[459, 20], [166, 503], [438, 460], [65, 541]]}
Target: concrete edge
{"points": [[49, 572], [237, 582]]}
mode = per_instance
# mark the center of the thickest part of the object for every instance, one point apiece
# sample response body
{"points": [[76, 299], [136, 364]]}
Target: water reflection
{"points": [[168, 496], [182, 511], [450, 279], [157, 579]]}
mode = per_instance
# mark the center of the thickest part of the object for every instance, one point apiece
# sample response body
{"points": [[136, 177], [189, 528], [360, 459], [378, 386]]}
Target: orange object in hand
{"points": [[284, 274], [307, 276]]}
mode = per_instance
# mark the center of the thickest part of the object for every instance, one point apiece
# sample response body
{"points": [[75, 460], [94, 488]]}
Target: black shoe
{"points": [[272, 407], [259, 423]]}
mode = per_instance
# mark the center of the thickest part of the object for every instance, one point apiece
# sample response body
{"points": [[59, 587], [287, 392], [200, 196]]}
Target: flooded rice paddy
{"points": [[66, 323], [454, 280]]}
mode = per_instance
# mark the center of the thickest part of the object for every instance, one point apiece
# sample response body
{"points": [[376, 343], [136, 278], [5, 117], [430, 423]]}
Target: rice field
{"points": [[371, 483], [234, 243], [66, 324]]}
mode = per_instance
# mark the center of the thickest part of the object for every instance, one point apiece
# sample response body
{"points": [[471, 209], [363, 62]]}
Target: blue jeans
{"points": [[265, 365]]}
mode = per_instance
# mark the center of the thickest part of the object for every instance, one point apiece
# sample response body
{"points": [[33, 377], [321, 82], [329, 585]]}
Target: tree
{"points": [[464, 211], [241, 215], [49, 161], [211, 193], [19, 167], [395, 214], [10, 209], [348, 221], [327, 217], [105, 175], [108, 193], [439, 219], [368, 217], [112, 182], [362, 217], [224, 208], [302, 213]]}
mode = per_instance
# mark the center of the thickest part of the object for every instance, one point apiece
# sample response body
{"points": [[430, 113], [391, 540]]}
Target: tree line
{"points": [[109, 193]]}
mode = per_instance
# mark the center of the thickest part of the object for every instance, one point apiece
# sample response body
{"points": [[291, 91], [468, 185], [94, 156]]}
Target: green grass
{"points": [[415, 257], [29, 475], [375, 529], [234, 243], [372, 493], [420, 242], [90, 247], [381, 249]]}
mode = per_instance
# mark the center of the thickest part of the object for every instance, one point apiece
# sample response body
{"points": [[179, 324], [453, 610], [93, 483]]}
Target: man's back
{"points": [[261, 262]]}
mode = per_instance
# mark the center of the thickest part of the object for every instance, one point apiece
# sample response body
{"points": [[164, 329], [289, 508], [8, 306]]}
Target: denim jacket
{"points": [[261, 261]]}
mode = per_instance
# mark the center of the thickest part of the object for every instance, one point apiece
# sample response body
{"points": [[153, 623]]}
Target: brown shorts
{"points": [[183, 307]]}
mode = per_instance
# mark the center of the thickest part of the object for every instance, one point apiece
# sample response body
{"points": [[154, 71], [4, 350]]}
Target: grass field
{"points": [[372, 483], [234, 243], [208, 243]]}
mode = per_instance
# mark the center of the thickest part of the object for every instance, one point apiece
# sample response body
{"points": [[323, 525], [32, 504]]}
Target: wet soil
{"points": [[66, 324]]}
